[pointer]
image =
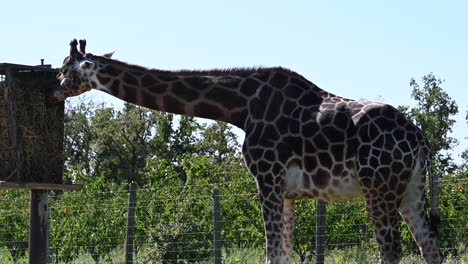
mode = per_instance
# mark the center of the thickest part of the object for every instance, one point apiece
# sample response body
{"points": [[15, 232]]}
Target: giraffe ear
{"points": [[86, 64], [109, 55]]}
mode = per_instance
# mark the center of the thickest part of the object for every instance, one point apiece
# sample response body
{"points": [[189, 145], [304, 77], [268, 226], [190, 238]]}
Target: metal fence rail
{"points": [[170, 226]]}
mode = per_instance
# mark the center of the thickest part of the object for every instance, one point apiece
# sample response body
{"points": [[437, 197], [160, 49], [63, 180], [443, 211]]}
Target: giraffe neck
{"points": [[217, 95]]}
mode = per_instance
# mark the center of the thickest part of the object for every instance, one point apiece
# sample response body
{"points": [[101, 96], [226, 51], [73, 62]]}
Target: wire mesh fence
{"points": [[176, 224]]}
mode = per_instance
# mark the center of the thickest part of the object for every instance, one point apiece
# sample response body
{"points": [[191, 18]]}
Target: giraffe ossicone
{"points": [[300, 142]]}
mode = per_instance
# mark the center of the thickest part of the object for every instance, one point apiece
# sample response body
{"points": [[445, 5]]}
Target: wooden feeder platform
{"points": [[31, 130], [31, 145], [39, 186]]}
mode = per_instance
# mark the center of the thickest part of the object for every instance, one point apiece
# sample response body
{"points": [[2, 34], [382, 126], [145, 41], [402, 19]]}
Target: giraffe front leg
{"points": [[289, 207], [271, 203]]}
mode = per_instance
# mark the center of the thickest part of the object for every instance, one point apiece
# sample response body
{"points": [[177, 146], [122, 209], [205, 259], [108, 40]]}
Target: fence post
{"points": [[216, 227], [365, 232], [434, 193], [320, 227], [132, 200], [39, 227]]}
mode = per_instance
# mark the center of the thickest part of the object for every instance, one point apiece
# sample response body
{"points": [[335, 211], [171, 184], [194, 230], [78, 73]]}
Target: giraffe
{"points": [[300, 142]]}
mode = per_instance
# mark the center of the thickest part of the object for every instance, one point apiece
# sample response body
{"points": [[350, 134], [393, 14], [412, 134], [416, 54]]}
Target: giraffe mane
{"points": [[209, 72]]}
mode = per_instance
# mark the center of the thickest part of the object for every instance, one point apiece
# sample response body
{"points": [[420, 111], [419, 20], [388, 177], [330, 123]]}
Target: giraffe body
{"points": [[300, 142]]}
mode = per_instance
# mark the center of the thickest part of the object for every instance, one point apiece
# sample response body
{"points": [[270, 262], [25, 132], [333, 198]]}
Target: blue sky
{"points": [[356, 49]]}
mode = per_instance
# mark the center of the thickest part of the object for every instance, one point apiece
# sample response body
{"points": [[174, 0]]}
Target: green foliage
{"points": [[304, 234], [464, 155], [347, 224], [240, 210], [174, 224], [78, 137], [434, 115], [464, 165], [14, 222], [219, 142], [123, 141], [435, 109], [454, 204], [177, 217], [89, 221], [243, 255]]}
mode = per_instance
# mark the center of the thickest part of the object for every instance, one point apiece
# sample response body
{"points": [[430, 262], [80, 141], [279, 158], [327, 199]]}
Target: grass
{"points": [[352, 255]]}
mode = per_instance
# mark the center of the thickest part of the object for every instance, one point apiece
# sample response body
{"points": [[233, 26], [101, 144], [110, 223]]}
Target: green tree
{"points": [[178, 217], [219, 141], [90, 221], [122, 141], [175, 220], [14, 222], [78, 138], [162, 142], [464, 155], [454, 204], [464, 165], [434, 114]]}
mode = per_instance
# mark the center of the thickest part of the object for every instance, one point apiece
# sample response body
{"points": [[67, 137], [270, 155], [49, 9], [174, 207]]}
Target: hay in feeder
{"points": [[31, 131]]}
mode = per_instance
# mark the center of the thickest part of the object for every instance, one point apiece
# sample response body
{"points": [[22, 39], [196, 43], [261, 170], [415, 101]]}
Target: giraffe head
{"points": [[76, 74]]}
